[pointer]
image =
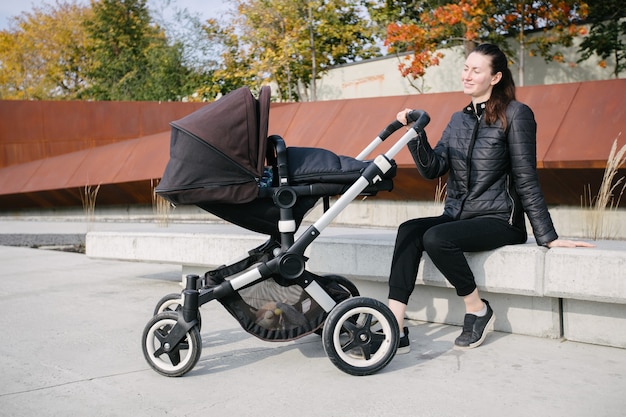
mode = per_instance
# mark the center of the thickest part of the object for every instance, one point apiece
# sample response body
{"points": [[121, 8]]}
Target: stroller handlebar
{"points": [[420, 117], [390, 129]]}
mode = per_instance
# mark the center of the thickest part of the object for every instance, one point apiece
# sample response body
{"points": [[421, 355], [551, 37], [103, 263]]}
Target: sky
{"points": [[204, 8]]}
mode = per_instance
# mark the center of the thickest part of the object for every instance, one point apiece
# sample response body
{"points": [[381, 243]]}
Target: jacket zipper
{"points": [[468, 162], [508, 193]]}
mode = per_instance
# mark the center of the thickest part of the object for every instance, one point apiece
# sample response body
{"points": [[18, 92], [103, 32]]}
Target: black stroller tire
{"points": [[173, 302], [349, 328], [179, 362], [170, 302]]}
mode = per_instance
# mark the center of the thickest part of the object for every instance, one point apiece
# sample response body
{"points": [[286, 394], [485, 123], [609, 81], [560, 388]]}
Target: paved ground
{"points": [[72, 329]]}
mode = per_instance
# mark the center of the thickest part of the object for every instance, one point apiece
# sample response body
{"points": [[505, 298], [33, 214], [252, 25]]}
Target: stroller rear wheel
{"points": [[346, 285], [360, 336], [170, 360]]}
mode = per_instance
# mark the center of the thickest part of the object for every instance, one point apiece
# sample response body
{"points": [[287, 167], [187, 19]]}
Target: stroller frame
{"points": [[171, 340]]}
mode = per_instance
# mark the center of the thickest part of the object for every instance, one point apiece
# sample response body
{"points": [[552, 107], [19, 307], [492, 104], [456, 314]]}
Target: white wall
{"points": [[381, 77]]}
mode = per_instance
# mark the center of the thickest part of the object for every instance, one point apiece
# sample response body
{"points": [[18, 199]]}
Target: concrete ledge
{"points": [[593, 274], [579, 294]]}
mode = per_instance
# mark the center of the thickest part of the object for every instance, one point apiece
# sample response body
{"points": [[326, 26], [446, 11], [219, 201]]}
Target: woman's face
{"points": [[478, 81]]}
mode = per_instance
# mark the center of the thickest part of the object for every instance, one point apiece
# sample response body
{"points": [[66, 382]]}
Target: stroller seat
{"points": [[222, 161]]}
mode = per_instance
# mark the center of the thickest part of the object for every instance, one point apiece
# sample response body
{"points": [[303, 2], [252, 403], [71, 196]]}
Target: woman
{"points": [[488, 151]]}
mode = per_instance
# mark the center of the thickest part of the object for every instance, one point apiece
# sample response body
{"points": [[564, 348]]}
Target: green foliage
{"points": [[116, 50], [43, 55], [469, 22], [607, 35], [132, 59], [291, 43]]}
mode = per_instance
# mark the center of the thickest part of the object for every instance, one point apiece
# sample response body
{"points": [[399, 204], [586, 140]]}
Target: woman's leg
{"points": [[407, 254], [446, 245]]}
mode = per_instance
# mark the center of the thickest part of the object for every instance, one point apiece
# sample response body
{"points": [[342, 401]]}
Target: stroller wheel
{"points": [[346, 285], [173, 302], [170, 302], [165, 360], [360, 336]]}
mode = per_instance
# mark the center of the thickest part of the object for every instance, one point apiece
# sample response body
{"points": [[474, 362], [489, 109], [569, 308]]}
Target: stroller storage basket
{"points": [[296, 314]]}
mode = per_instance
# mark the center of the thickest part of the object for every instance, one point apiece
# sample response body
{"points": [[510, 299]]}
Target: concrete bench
{"points": [[579, 294]]}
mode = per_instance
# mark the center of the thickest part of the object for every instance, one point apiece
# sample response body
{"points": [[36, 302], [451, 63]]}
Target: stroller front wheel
{"points": [[168, 360], [169, 302], [360, 336], [173, 302]]}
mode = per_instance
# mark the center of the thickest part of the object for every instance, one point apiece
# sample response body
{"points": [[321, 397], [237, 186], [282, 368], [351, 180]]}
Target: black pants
{"points": [[445, 240]]}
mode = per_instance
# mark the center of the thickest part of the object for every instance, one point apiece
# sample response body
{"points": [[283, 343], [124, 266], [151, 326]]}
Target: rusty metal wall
{"points": [[123, 146], [32, 130]]}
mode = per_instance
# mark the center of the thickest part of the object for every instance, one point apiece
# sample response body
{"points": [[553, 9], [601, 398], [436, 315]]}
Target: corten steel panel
{"points": [[355, 124], [21, 120], [282, 116], [345, 127], [549, 107], [56, 173], [13, 179], [596, 117], [310, 123], [148, 159], [31, 130], [101, 165], [70, 120]]}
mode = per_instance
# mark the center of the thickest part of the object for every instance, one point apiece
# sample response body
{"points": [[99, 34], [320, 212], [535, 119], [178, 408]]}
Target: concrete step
{"points": [[534, 291]]}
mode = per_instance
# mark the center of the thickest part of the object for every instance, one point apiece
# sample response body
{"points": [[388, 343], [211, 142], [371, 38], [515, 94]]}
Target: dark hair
{"points": [[504, 91]]}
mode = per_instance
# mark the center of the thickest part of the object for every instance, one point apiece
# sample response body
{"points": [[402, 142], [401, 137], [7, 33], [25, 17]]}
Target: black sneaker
{"points": [[475, 329], [404, 346]]}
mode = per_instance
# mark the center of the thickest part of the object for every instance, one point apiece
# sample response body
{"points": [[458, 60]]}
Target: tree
{"points": [[607, 34], [43, 54], [291, 43], [445, 26], [236, 68], [540, 26], [383, 13], [131, 57], [469, 22], [200, 53]]}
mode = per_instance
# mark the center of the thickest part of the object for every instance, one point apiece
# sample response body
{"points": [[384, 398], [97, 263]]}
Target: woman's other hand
{"points": [[564, 243]]}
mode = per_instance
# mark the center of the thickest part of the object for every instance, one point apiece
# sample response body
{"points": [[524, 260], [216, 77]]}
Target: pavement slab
{"points": [[72, 331]]}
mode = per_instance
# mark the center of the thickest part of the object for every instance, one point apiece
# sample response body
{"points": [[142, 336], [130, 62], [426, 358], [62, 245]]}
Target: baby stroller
{"points": [[222, 161]]}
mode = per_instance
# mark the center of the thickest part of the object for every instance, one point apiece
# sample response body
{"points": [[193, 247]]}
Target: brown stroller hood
{"points": [[217, 153]]}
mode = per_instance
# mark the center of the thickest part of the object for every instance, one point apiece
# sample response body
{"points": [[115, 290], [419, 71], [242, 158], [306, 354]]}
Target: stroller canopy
{"points": [[217, 153]]}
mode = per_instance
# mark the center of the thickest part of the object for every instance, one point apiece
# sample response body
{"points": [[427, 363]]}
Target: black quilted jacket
{"points": [[488, 173]]}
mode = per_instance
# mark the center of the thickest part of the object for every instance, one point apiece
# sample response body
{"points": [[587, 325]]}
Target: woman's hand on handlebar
{"points": [[401, 116]]}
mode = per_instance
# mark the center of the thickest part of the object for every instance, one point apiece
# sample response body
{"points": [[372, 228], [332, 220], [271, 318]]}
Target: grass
{"points": [[88, 198], [440, 192], [608, 198], [161, 208]]}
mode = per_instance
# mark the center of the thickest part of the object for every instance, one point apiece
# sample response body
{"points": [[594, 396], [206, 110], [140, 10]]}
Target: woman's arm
{"points": [[430, 163], [522, 148]]}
